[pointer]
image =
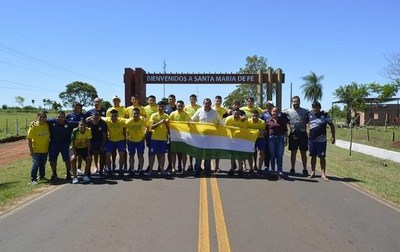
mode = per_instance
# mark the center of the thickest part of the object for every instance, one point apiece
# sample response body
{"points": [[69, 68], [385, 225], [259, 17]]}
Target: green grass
{"points": [[16, 123], [380, 177], [15, 182], [376, 137]]}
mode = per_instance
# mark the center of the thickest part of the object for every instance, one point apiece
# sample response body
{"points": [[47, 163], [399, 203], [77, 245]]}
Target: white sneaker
{"points": [[34, 182], [80, 173], [75, 181], [86, 179]]}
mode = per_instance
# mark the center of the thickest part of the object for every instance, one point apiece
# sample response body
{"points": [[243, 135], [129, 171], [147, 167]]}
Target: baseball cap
{"points": [[116, 97], [269, 103]]}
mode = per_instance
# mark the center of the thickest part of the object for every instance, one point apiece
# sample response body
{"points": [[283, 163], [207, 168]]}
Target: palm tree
{"points": [[312, 88], [352, 95]]}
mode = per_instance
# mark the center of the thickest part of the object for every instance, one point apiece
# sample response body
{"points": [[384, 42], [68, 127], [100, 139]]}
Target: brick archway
{"points": [[136, 80]]}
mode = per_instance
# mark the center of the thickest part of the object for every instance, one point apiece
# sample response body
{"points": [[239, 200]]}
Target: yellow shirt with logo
{"points": [[40, 136], [191, 109], [80, 138], [130, 109], [116, 130], [122, 112], [248, 110], [260, 125], [136, 130], [179, 116], [160, 132], [149, 110], [230, 121], [220, 111]]}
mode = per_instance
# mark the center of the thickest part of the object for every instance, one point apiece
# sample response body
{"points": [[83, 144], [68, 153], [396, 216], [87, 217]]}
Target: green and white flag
{"points": [[210, 141]]}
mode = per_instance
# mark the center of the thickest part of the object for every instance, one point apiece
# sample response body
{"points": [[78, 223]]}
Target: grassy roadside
{"points": [[378, 176], [15, 183]]}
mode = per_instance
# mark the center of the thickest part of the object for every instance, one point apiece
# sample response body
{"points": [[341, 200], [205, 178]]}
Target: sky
{"points": [[46, 44]]}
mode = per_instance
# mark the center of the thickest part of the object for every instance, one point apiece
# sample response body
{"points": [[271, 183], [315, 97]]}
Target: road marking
{"points": [[204, 230], [222, 233]]}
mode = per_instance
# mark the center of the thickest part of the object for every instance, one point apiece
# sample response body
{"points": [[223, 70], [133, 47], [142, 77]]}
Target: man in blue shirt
{"points": [[317, 138]]}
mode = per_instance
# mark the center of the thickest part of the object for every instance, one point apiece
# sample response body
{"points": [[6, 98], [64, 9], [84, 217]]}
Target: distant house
{"points": [[379, 112]]}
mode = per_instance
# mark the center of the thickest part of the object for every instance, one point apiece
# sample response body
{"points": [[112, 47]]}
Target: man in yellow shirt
{"points": [[115, 140], [179, 115], [135, 100], [222, 112], [256, 123], [81, 147], [235, 120], [159, 123], [122, 113], [136, 130], [250, 107], [191, 109], [38, 143]]}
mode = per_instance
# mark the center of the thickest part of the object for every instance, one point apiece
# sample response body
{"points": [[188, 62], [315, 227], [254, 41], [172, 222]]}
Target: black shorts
{"points": [[82, 152], [298, 142]]}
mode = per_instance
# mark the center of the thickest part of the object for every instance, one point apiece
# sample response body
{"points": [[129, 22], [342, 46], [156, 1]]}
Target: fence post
{"points": [[6, 127], [393, 135], [367, 134], [16, 125]]}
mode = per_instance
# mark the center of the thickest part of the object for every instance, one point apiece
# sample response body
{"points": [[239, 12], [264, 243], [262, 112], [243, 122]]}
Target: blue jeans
{"points": [[38, 163], [207, 165], [276, 148]]}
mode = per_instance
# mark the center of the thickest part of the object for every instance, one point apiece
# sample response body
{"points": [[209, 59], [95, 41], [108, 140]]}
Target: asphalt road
{"points": [[220, 213]]}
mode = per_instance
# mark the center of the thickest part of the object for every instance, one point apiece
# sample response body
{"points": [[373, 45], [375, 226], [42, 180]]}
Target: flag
{"points": [[210, 141]]}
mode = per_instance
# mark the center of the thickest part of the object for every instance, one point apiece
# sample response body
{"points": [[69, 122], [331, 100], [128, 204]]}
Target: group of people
{"points": [[100, 135]]}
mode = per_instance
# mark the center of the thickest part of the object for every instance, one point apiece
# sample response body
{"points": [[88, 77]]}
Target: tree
{"points": [[385, 91], [392, 71], [52, 104], [312, 88], [77, 91], [243, 91], [20, 100], [352, 95]]}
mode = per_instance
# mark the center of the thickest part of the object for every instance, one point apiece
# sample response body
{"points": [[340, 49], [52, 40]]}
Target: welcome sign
{"points": [[201, 78]]}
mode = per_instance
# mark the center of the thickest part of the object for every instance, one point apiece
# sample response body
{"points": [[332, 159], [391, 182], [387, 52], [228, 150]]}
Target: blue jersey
{"points": [[91, 112], [98, 130], [318, 124], [169, 109], [60, 133], [74, 118]]}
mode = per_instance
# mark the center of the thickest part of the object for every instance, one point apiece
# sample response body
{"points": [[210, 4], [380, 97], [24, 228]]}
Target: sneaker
{"points": [[75, 181], [196, 173], [292, 171], [34, 182], [149, 174], [86, 179], [240, 173], [141, 173], [54, 178], [190, 168], [80, 173], [230, 173], [280, 174], [68, 176], [164, 173], [218, 170], [305, 172], [42, 178], [179, 168]]}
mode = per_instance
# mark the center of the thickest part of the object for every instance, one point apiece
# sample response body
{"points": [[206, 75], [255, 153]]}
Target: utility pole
{"points": [[165, 68], [290, 102]]}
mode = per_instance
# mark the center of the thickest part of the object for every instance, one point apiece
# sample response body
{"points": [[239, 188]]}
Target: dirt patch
{"points": [[13, 151]]}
